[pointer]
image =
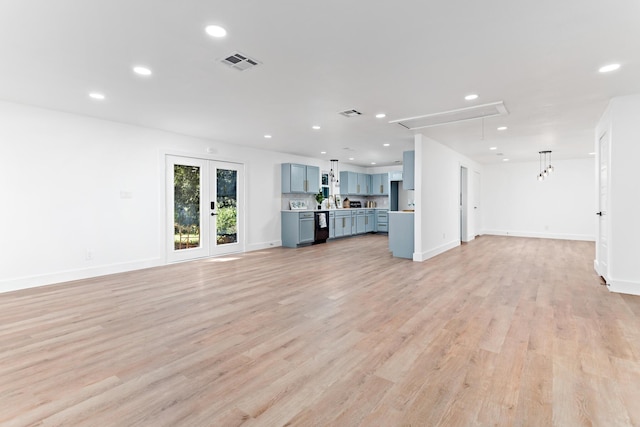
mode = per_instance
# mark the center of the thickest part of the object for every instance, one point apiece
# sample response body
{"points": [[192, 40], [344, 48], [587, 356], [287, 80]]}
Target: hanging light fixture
{"points": [[333, 174], [544, 161]]}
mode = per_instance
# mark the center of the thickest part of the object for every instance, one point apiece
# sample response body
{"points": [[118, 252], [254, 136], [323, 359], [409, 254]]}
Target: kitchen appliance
{"points": [[321, 227]]}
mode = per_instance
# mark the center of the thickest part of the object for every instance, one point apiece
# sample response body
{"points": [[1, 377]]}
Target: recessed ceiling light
{"points": [[323, 152], [143, 71], [315, 127], [373, 163], [381, 116], [502, 128], [493, 148], [96, 95], [471, 97], [351, 158], [505, 160], [268, 136], [592, 154], [609, 68], [386, 145], [216, 31]]}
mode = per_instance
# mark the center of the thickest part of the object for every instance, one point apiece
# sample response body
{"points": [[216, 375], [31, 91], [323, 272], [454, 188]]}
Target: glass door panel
{"points": [[186, 206], [227, 203], [226, 226]]}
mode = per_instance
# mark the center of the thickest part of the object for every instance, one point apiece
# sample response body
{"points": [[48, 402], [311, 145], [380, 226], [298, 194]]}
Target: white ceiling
{"points": [[404, 58]]}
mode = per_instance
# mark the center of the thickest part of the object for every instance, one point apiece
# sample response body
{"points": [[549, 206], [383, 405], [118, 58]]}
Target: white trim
{"points": [[624, 287], [263, 245], [560, 236], [423, 256], [27, 282]]}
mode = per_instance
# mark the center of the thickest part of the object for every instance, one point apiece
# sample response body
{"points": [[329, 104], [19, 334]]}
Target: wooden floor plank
{"points": [[499, 331]]}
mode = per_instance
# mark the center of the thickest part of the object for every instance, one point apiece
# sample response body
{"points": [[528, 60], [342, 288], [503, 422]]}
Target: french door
{"points": [[205, 204]]}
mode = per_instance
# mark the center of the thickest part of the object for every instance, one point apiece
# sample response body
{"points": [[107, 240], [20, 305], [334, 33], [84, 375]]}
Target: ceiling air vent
{"points": [[239, 61], [453, 116], [350, 113]]}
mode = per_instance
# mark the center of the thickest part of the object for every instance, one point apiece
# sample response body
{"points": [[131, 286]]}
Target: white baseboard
{"points": [[624, 287], [560, 236], [263, 245], [423, 256], [69, 275]]}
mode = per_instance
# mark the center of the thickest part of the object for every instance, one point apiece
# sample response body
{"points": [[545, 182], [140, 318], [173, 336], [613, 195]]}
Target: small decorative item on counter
{"points": [[319, 198], [346, 203]]}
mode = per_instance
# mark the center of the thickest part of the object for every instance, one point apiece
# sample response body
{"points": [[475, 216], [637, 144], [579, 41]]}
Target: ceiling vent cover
{"points": [[350, 113], [454, 116], [240, 61]]}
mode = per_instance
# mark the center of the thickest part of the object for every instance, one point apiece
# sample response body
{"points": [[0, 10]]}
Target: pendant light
{"points": [[543, 161]]}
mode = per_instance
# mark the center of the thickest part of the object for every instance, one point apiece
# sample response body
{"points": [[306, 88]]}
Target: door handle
{"points": [[213, 214], [600, 213]]}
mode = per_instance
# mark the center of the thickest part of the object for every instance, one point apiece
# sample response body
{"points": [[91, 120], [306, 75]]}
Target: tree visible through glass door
{"points": [[186, 190], [227, 206]]}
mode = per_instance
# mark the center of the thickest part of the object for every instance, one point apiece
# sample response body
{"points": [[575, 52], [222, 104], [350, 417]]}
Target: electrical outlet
{"points": [[88, 255]]}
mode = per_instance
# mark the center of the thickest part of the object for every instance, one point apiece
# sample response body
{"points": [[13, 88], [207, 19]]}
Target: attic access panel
{"points": [[453, 116]]}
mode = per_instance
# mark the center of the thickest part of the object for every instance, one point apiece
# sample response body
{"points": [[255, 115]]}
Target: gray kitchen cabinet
{"points": [[370, 221], [297, 228], [380, 184], [360, 219], [354, 183], [408, 170], [300, 178], [364, 184], [342, 223], [401, 234], [382, 220], [332, 225], [348, 183]]}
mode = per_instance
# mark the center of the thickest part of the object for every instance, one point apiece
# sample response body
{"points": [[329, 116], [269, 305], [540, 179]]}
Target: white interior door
{"points": [[602, 247], [205, 205], [463, 204], [474, 228]]}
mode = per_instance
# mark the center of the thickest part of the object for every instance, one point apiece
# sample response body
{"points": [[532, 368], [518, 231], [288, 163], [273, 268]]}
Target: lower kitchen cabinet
{"points": [[297, 228], [382, 220], [370, 221], [360, 221], [332, 225], [342, 223]]}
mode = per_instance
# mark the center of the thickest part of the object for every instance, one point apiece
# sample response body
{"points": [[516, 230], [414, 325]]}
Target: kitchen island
{"points": [[401, 231]]}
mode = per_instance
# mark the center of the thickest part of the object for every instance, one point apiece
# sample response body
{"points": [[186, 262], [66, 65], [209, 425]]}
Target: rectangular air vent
{"points": [[453, 116], [350, 113], [240, 61]]}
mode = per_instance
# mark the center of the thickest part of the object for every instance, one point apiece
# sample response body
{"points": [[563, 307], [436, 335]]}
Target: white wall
{"points": [[437, 189], [61, 180], [621, 121], [561, 207]]}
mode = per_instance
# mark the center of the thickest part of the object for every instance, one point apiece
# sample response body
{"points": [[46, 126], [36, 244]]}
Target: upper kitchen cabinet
{"points": [[380, 184], [353, 183], [348, 183], [300, 178], [364, 184], [408, 170]]}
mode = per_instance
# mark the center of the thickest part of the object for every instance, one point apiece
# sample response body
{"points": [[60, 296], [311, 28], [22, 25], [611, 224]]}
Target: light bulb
{"points": [[545, 173], [550, 168], [540, 177]]}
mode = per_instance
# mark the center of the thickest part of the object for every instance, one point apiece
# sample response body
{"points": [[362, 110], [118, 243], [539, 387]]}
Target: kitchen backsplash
{"points": [[381, 201]]}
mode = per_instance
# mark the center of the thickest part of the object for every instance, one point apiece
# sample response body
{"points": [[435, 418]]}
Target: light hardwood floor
{"points": [[500, 331]]}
